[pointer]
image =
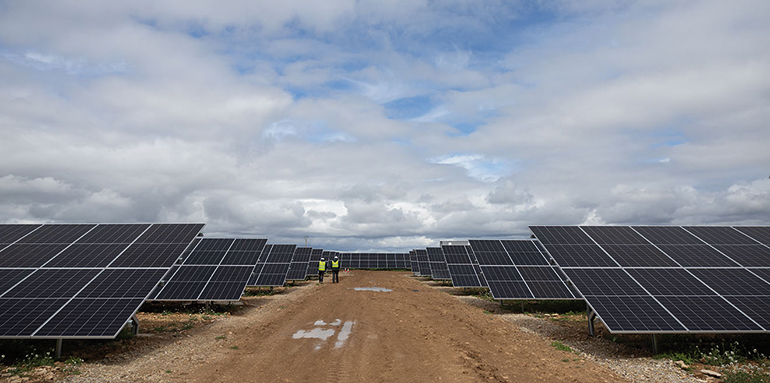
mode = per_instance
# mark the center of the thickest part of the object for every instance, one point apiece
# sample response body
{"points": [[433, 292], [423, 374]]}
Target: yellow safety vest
{"points": [[335, 264], [321, 266]]}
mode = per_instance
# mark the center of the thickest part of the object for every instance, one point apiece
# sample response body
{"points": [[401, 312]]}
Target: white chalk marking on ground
{"points": [[317, 333], [344, 334], [319, 323], [336, 322], [378, 289]]}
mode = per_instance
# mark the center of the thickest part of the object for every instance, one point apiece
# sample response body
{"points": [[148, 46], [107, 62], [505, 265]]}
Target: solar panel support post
{"points": [[57, 352], [134, 325], [654, 344], [591, 317]]}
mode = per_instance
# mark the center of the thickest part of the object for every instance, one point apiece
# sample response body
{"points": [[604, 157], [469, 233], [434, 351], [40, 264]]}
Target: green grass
{"points": [[234, 347], [561, 346], [747, 374], [221, 337]]}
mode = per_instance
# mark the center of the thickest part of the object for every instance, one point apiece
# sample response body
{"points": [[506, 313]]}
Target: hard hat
{"points": [[322, 259], [335, 257]]}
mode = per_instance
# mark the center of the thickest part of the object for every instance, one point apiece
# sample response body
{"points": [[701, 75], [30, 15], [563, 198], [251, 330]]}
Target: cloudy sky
{"points": [[385, 125]]}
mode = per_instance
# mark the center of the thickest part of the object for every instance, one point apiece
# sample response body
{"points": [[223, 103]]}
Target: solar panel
{"points": [[461, 267], [80, 280], [414, 265], [214, 269], [514, 271], [312, 266], [438, 267], [660, 279], [298, 267], [349, 260], [423, 263], [273, 266], [403, 261]]}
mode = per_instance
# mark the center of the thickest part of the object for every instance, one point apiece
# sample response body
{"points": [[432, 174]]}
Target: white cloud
{"points": [[270, 119]]}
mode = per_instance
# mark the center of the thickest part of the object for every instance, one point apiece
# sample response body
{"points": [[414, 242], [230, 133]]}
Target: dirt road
{"points": [[414, 333]]}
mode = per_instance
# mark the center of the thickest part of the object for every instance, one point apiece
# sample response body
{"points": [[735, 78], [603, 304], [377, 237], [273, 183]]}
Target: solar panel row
{"points": [[660, 279], [273, 266], [518, 269], [213, 269], [82, 280]]}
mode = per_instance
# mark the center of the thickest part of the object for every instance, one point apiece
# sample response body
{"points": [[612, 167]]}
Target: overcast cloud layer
{"points": [[371, 125]]}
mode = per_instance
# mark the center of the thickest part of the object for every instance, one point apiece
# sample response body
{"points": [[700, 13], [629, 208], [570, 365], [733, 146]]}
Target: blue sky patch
{"points": [[408, 108]]}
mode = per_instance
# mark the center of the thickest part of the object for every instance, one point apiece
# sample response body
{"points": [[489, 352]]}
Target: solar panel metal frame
{"points": [[51, 326], [664, 238]]}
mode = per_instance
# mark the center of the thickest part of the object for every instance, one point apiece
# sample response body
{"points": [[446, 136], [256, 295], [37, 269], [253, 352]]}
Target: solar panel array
{"points": [[299, 264], [463, 267], [213, 269], [373, 260], [273, 266], [82, 280], [668, 279], [438, 267], [519, 269]]}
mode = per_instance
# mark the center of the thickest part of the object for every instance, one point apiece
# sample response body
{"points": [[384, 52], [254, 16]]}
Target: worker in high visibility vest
{"points": [[336, 270], [321, 270]]}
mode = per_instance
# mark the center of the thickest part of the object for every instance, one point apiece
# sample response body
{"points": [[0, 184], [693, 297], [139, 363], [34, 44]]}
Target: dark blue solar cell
{"points": [[615, 235], [707, 314], [21, 317], [123, 283], [56, 233], [29, 255], [759, 233], [720, 235], [171, 233], [604, 282], [12, 233], [697, 256], [563, 235], [91, 318], [10, 277], [114, 233], [733, 281], [667, 235], [747, 255], [87, 255], [634, 314], [62, 283]]}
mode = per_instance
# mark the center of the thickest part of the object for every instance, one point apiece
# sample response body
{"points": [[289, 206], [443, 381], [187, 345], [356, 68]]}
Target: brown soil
{"points": [[414, 333]]}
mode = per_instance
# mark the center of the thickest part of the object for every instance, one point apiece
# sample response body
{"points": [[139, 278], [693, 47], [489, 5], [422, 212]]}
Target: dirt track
{"points": [[414, 333]]}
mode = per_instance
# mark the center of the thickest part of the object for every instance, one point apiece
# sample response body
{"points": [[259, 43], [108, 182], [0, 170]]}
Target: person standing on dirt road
{"points": [[321, 270], [336, 270]]}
